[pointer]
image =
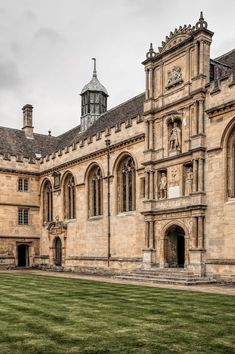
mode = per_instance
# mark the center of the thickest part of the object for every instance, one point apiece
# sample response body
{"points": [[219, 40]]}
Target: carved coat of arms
{"points": [[174, 76]]}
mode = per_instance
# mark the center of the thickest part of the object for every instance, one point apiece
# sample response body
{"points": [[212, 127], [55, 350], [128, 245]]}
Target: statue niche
{"points": [[162, 185], [188, 179], [174, 136]]}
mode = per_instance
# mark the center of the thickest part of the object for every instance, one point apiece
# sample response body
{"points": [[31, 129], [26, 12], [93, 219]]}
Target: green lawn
{"points": [[40, 314]]}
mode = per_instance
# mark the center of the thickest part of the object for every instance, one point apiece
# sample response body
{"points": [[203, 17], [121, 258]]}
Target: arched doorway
{"points": [[58, 252], [23, 256], [175, 247]]}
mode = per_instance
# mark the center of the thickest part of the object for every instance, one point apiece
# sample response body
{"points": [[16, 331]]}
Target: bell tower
{"points": [[93, 101]]}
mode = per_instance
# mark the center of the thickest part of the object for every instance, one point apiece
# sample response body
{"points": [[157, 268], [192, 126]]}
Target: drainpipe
{"points": [[108, 143]]}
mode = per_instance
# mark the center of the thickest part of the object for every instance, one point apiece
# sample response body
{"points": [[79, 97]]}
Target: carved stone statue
{"points": [[163, 186], [188, 181], [175, 138]]}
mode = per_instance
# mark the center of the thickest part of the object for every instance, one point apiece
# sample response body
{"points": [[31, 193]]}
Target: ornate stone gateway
{"points": [[57, 232], [175, 247]]}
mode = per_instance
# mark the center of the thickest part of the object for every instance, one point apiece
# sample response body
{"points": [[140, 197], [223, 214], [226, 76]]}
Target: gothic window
{"points": [[47, 202], [69, 197], [126, 185], [231, 164], [95, 192]]}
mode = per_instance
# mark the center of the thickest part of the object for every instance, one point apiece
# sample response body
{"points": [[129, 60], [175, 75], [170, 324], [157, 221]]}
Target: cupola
{"points": [[93, 101]]}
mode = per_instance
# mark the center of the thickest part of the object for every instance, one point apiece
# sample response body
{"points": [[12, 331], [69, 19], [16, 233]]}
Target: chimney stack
{"points": [[28, 120]]}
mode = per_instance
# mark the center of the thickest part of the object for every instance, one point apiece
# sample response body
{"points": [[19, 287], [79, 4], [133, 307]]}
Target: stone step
{"points": [[198, 281], [175, 274], [164, 276]]}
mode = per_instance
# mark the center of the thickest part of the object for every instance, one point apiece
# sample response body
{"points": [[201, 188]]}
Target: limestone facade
{"points": [[171, 174]]}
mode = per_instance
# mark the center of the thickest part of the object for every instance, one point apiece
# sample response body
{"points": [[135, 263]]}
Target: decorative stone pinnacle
{"points": [[94, 70], [151, 54], [201, 23]]}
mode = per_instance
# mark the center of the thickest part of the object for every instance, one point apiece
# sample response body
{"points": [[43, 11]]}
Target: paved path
{"points": [[207, 288]]}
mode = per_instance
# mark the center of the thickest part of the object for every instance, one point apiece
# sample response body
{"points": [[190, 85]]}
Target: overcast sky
{"points": [[47, 46]]}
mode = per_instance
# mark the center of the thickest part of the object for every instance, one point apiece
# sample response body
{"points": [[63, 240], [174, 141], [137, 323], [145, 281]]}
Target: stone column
{"points": [[195, 233], [201, 56], [197, 58], [151, 184], [146, 234], [200, 232], [201, 117], [146, 84], [151, 83], [146, 192], [195, 175], [146, 135], [151, 234], [201, 175], [151, 135]]}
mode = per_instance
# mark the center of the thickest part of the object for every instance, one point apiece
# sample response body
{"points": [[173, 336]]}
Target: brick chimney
{"points": [[28, 120]]}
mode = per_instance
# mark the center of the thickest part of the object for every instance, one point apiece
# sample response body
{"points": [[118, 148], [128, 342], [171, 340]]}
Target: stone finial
{"points": [[201, 23], [151, 53], [28, 120]]}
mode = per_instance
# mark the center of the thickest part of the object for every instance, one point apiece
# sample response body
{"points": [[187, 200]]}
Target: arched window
{"points": [[69, 197], [231, 164], [47, 202], [95, 192], [126, 185]]}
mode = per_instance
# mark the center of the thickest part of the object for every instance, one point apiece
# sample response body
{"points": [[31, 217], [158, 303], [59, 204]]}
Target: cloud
{"points": [[49, 34], [9, 75]]}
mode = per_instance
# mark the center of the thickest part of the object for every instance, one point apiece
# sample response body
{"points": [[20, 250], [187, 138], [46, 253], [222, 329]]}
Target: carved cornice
{"points": [[222, 108]]}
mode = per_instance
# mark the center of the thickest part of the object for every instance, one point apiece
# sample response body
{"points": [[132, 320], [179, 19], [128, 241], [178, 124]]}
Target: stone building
{"points": [[147, 184]]}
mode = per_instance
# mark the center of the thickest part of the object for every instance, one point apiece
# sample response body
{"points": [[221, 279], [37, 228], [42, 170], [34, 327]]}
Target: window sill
{"points": [[94, 218], [127, 213]]}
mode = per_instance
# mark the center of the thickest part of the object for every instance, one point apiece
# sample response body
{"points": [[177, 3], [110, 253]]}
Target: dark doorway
{"points": [[58, 252], [23, 256], [175, 247], [180, 250]]}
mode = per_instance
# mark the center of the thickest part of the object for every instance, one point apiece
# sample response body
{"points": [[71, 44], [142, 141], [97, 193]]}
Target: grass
{"points": [[40, 314]]}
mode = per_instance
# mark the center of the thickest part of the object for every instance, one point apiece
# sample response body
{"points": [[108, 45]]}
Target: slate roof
{"points": [[14, 142], [227, 59]]}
